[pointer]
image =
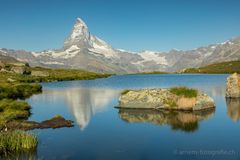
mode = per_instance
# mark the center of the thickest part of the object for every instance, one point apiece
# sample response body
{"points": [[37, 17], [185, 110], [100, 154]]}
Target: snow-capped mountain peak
{"points": [[79, 29], [81, 39], [80, 22], [86, 51], [79, 35]]}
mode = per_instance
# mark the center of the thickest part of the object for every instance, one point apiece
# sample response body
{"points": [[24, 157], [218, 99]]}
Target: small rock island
{"points": [[233, 86], [176, 98]]}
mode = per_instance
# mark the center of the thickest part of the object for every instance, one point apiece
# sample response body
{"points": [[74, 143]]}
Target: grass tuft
{"points": [[184, 91], [17, 141]]}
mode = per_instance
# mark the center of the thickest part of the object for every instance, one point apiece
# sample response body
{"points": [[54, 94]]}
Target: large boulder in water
{"points": [[233, 86], [177, 98]]}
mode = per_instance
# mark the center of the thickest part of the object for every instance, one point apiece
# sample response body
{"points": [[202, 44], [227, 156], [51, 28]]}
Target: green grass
{"points": [[18, 90], [15, 141], [53, 75], [218, 68], [184, 91], [171, 102], [12, 110], [58, 116]]}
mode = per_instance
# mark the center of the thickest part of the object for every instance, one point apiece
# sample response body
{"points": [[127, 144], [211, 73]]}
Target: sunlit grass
{"points": [[53, 75], [14, 141], [18, 90], [13, 109], [184, 91]]}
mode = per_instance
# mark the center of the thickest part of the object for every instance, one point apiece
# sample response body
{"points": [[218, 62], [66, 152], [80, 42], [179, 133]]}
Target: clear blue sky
{"points": [[128, 24]]}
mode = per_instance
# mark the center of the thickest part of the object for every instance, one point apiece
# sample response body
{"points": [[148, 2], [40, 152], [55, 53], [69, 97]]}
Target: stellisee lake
{"points": [[103, 132]]}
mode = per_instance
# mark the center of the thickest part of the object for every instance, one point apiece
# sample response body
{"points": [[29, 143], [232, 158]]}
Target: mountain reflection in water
{"points": [[85, 102], [178, 120], [233, 108]]}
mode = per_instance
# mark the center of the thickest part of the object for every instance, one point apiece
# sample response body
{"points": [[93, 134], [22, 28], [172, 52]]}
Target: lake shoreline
{"points": [[20, 81]]}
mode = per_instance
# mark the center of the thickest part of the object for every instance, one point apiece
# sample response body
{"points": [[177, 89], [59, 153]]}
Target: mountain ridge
{"points": [[83, 50]]}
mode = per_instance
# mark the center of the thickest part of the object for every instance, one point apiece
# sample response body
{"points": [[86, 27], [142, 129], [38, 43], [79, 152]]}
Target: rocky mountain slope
{"points": [[82, 50]]}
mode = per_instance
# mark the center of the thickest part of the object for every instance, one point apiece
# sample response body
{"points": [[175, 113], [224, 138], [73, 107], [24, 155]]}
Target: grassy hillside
{"points": [[224, 67], [38, 74], [17, 71]]}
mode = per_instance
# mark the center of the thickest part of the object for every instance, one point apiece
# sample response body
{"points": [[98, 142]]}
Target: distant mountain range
{"points": [[82, 50]]}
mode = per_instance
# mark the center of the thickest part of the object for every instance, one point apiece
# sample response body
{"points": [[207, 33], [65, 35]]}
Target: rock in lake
{"points": [[177, 98], [233, 86], [55, 122]]}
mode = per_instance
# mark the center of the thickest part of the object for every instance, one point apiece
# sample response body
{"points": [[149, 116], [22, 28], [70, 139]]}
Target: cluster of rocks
{"points": [[164, 99], [21, 68]]}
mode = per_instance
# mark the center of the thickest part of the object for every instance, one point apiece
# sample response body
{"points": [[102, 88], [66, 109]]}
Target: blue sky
{"points": [[128, 24]]}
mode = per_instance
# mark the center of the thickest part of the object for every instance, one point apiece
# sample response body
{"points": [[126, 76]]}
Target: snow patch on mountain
{"points": [[101, 47], [153, 56], [227, 42], [126, 51], [2, 51]]}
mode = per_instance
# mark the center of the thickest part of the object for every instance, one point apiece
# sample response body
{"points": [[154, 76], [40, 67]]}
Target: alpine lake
{"points": [[102, 131]]}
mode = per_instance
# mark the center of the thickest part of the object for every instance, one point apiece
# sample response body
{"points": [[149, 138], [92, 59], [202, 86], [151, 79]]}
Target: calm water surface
{"points": [[103, 132]]}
